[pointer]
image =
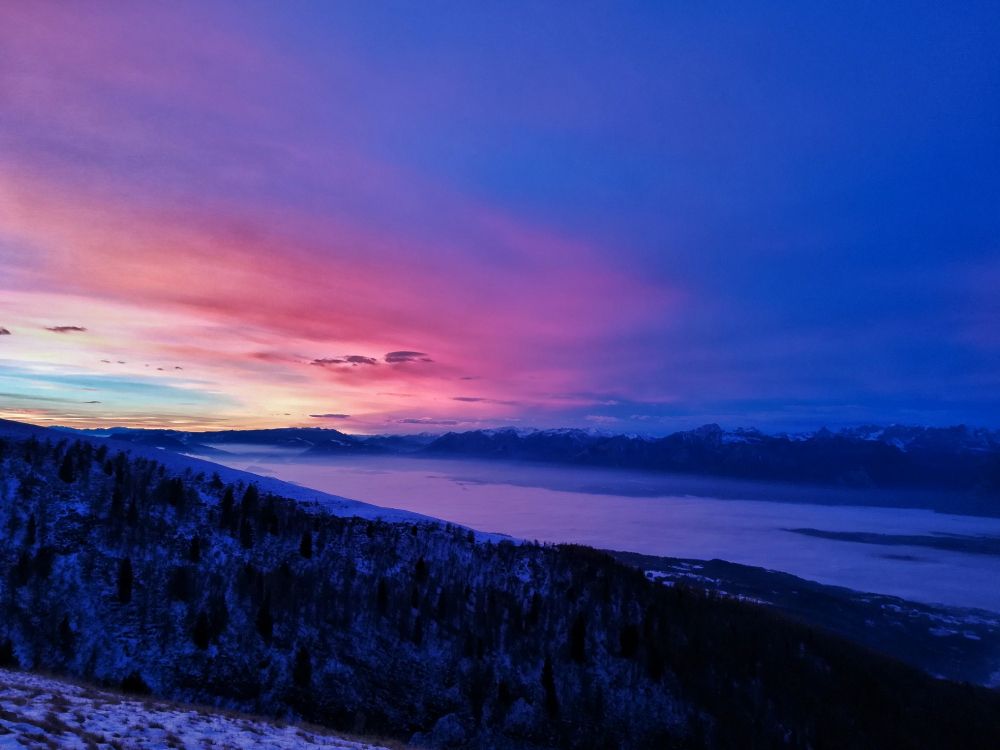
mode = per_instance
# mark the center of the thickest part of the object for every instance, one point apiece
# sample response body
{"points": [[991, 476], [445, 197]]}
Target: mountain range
{"points": [[961, 461]]}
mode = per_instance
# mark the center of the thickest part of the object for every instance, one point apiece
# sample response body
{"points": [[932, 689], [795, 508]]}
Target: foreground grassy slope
{"points": [[42, 713]]}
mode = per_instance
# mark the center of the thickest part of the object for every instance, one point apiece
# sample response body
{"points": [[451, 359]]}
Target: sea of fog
{"points": [[743, 522]]}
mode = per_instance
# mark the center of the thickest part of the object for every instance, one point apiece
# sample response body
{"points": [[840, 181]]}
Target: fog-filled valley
{"points": [[753, 523]]}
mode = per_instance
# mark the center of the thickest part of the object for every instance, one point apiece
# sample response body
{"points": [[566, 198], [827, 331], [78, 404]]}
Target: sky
{"points": [[398, 217]]}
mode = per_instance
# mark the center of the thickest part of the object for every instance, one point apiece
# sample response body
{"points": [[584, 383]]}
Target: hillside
{"points": [[40, 713], [125, 571]]}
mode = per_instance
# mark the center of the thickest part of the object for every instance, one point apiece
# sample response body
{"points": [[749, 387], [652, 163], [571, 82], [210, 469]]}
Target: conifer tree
{"points": [[264, 621], [201, 634], [302, 671], [549, 686], [66, 470], [578, 639], [117, 501], [125, 579], [246, 533], [226, 509], [66, 634], [251, 498], [7, 656]]}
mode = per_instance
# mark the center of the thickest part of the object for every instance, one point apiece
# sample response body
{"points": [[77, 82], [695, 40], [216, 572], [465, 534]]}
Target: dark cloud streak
{"points": [[351, 359], [484, 400], [394, 358], [66, 329]]}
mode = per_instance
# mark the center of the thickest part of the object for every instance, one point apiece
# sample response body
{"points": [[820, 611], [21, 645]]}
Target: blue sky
{"points": [[638, 215]]}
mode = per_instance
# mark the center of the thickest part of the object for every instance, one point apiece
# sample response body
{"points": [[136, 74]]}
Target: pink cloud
{"points": [[193, 205]]}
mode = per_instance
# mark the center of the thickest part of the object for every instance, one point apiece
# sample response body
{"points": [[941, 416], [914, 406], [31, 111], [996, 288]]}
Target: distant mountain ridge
{"points": [[953, 438], [959, 458]]}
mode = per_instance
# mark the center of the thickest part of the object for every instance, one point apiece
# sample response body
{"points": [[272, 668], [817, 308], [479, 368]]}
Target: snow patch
{"points": [[38, 711]]}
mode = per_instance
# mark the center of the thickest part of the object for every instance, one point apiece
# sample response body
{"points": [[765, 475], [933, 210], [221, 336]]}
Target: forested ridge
{"points": [[119, 569]]}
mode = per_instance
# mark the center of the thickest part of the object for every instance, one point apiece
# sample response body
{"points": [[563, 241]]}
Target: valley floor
{"points": [[43, 712]]}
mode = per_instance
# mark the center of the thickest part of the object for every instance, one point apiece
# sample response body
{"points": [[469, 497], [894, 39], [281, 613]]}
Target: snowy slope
{"points": [[41, 712], [179, 463]]}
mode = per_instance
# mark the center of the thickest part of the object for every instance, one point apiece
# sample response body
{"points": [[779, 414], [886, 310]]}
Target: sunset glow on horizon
{"points": [[244, 215]]}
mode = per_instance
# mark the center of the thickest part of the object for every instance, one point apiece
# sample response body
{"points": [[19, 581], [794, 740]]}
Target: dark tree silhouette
{"points": [[227, 509], [7, 657], [66, 471], [549, 686], [66, 635], [382, 597], [302, 671], [134, 683], [251, 499], [628, 640], [117, 501], [125, 578], [264, 621], [201, 634], [578, 639], [246, 533]]}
